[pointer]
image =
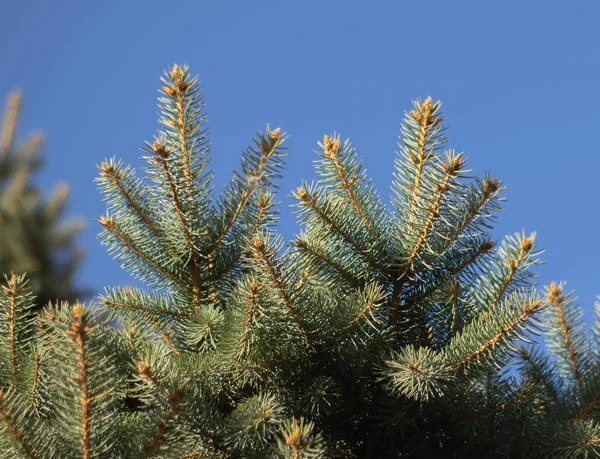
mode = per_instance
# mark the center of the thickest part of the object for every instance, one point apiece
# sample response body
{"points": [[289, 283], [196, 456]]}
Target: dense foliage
{"points": [[380, 331]]}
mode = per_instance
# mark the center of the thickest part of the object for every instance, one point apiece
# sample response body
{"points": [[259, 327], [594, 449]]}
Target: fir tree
{"points": [[33, 237], [378, 332]]}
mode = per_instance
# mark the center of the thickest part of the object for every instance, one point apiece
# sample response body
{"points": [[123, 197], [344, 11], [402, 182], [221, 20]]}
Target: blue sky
{"points": [[519, 82]]}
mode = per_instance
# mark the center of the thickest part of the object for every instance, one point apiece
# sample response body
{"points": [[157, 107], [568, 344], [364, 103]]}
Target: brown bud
{"points": [[415, 159], [169, 91], [258, 243], [183, 86], [331, 146], [176, 73], [455, 165], [416, 115], [427, 106], [294, 438], [526, 245], [263, 201], [299, 243], [142, 368], [275, 135], [441, 188], [264, 146], [253, 287], [302, 194], [491, 186], [108, 222], [160, 149], [78, 310], [106, 170], [555, 293], [486, 246]]}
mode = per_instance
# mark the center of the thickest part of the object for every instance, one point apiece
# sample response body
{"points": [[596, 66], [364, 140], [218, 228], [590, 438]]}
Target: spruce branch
{"points": [[417, 373], [308, 199], [259, 165], [263, 251], [495, 331], [344, 178], [114, 175], [17, 434], [175, 399], [567, 342], [16, 307], [451, 169], [325, 256], [78, 333]]}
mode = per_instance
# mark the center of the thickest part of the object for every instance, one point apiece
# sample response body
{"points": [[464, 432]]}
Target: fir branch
{"points": [[263, 205], [424, 116], [503, 405], [16, 304], [113, 303], [36, 375], [375, 296], [12, 293], [268, 149], [490, 188], [506, 330], [556, 299], [165, 338], [181, 86], [111, 227], [78, 333], [331, 147], [539, 370], [368, 307], [243, 340], [309, 200], [304, 245], [430, 288], [114, 174], [526, 246], [174, 195], [18, 435], [175, 400], [587, 409], [454, 306], [262, 252], [451, 169]]}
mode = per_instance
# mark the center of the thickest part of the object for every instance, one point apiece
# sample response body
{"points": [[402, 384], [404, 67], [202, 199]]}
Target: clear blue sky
{"points": [[519, 81]]}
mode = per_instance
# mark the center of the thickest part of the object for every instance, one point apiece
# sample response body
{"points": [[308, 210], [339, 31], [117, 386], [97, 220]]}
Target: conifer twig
{"points": [[175, 400], [109, 171], [267, 149], [331, 149], [263, 253], [17, 434], [528, 310], [311, 202], [11, 292], [556, 298], [78, 333]]}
